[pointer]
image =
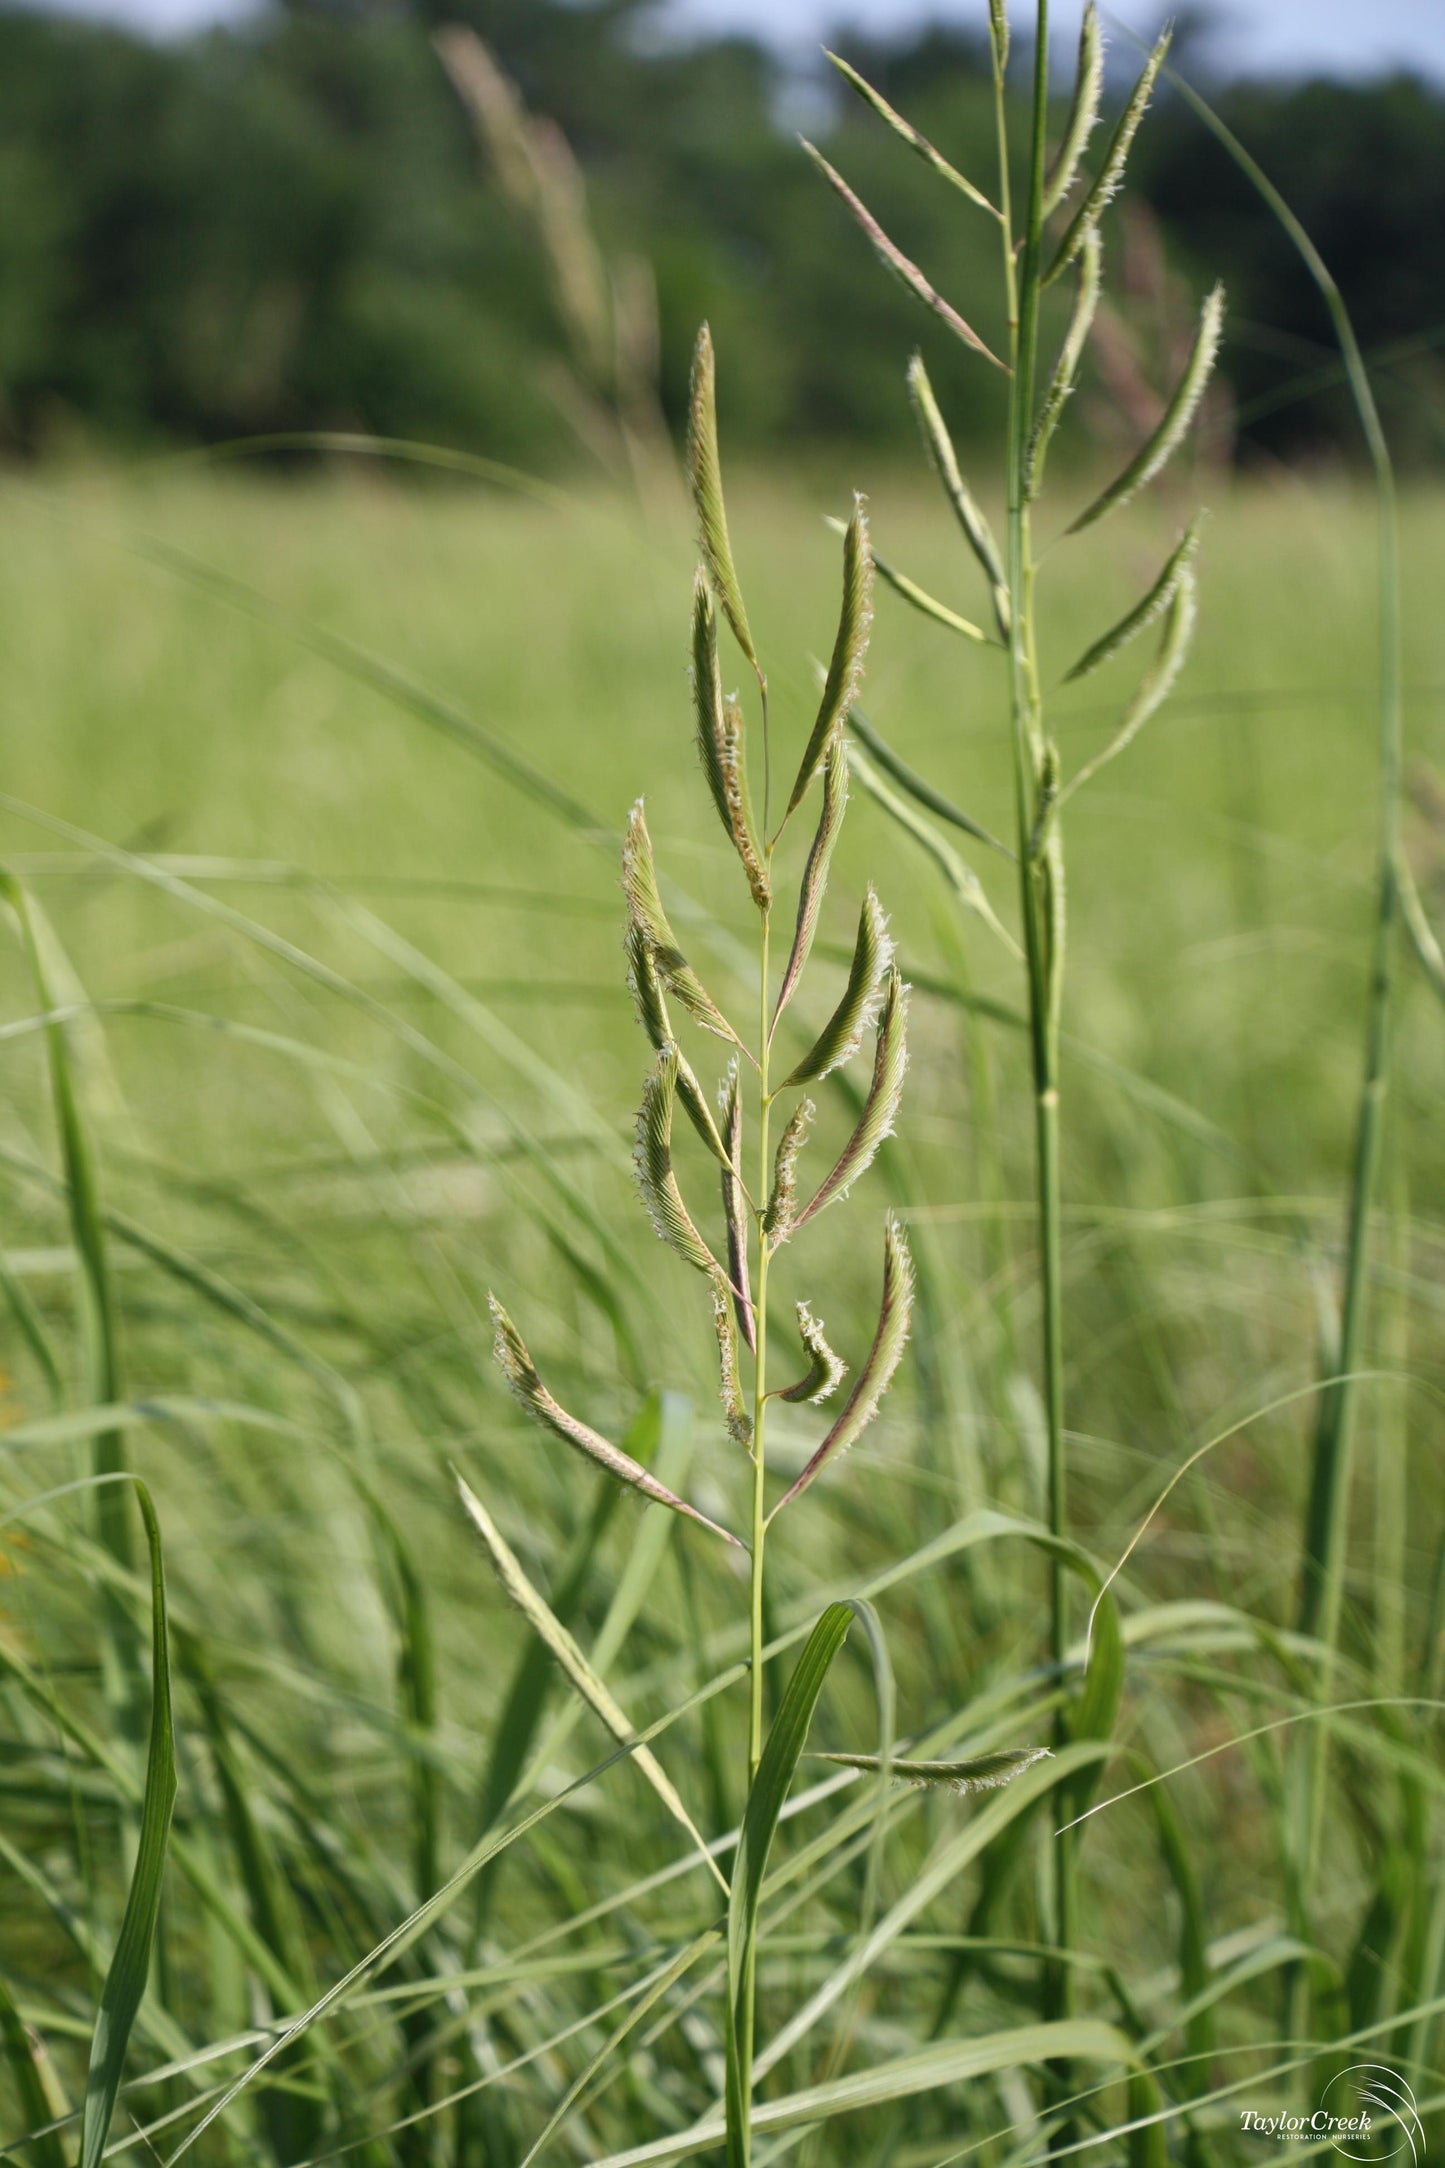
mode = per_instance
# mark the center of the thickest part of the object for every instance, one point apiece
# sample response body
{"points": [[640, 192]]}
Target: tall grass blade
{"points": [[560, 1644], [786, 1739], [125, 1981]]}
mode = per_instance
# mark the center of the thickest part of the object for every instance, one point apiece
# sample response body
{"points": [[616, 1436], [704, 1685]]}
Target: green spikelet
{"points": [[815, 873], [1174, 425], [842, 1035], [1066, 369], [1083, 111], [720, 744], [645, 912], [651, 1006], [652, 1157], [735, 1204], [1111, 172], [783, 1200], [875, 1123], [850, 646], [1144, 613], [907, 133], [705, 475], [895, 1314]]}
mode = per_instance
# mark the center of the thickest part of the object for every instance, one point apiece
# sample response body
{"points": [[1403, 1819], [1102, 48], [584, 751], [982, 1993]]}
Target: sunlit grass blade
{"points": [[1150, 606], [786, 1738], [842, 1035], [875, 1123], [560, 1644], [850, 647], [907, 133], [1159, 448], [521, 1374], [895, 1315], [825, 1371], [902, 268], [1106, 184], [130, 1962], [814, 884], [1083, 111], [705, 474], [966, 509]]}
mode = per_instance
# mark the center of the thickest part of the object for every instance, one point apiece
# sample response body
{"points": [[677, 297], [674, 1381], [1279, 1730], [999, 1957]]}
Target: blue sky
{"points": [[1350, 37]]}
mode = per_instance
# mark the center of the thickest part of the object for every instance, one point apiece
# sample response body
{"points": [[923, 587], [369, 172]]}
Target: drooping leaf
{"points": [[850, 646], [895, 1313], [521, 1374]]}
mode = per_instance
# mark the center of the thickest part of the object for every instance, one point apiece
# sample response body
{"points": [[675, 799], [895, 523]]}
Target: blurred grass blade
{"points": [[917, 787], [895, 1315], [907, 133], [545, 1623], [1159, 448], [978, 1773], [24, 2053], [893, 259], [786, 1738], [125, 1981], [850, 647]]}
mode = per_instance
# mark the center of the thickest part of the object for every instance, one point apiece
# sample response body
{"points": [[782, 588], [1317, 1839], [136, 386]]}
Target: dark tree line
{"points": [[289, 226]]}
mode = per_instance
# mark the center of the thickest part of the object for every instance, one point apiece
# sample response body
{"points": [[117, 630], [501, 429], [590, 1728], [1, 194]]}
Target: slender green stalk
{"points": [[1040, 872], [760, 1376]]}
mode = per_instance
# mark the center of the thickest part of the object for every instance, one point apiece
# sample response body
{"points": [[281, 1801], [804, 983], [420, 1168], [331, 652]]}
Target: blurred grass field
{"points": [[355, 1147]]}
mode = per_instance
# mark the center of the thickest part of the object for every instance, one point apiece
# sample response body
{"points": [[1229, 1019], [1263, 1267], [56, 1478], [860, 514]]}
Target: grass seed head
{"points": [[880, 1108], [705, 475], [842, 1035], [850, 647], [825, 1371]]}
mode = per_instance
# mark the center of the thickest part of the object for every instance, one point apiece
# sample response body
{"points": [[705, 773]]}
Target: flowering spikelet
{"points": [[825, 1370], [1151, 606], [1111, 172], [890, 1060], [894, 1317], [850, 646], [1157, 682], [521, 1375], [730, 1392], [651, 1005], [652, 1157], [980, 1773], [1174, 424], [1066, 369], [1083, 111], [735, 1205], [720, 744], [644, 910], [783, 1202], [842, 1035], [966, 509], [815, 873]]}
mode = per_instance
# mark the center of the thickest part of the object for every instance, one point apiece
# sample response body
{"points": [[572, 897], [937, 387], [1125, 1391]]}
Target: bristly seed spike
{"points": [[705, 475], [850, 647]]}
